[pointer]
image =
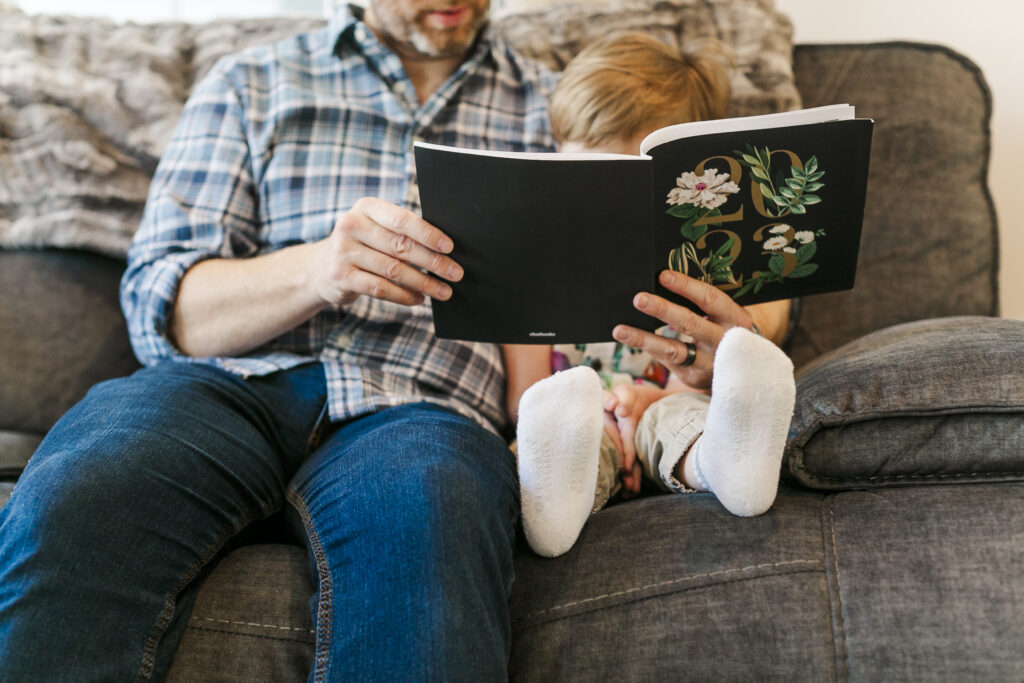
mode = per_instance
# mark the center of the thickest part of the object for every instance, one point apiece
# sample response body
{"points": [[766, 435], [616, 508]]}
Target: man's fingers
{"points": [[399, 246], [682, 319], [404, 222], [394, 270], [363, 282], [672, 353], [718, 305]]}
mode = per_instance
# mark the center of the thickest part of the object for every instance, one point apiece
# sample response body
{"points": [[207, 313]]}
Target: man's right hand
{"points": [[381, 250]]}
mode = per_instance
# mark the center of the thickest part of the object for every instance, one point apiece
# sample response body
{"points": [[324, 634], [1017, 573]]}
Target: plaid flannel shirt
{"points": [[276, 143]]}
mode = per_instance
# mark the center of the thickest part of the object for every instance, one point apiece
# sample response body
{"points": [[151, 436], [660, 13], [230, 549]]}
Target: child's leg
{"points": [[560, 452], [666, 432], [739, 452]]}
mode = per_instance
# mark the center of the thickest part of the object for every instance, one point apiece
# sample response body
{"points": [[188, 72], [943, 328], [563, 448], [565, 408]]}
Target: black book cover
{"points": [[555, 247]]}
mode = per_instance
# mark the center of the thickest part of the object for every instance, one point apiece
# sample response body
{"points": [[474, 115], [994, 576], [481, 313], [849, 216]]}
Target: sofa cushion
{"points": [[673, 587], [59, 334], [88, 105], [927, 582], [921, 254], [929, 402]]}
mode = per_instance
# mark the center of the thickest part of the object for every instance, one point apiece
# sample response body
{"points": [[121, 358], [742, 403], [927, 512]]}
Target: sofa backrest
{"points": [[929, 247]]}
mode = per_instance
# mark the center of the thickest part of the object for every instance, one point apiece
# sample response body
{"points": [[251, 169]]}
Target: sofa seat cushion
{"points": [[676, 578], [929, 402]]}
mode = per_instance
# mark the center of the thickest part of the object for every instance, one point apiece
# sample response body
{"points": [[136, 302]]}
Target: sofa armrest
{"points": [[61, 333], [930, 402]]}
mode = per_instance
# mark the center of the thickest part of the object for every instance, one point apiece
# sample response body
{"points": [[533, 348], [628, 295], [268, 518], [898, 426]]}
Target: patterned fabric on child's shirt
{"points": [[615, 363]]}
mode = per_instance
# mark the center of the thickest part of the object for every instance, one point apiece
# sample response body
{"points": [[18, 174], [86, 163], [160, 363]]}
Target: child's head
{"points": [[624, 86]]}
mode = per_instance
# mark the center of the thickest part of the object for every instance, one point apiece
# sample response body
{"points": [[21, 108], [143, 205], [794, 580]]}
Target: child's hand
{"points": [[621, 409]]}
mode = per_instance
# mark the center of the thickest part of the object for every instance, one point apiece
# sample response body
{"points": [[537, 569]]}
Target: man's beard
{"points": [[427, 41]]}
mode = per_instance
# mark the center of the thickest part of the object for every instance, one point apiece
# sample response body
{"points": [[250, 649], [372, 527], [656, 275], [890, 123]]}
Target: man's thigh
{"points": [[130, 494], [410, 516]]}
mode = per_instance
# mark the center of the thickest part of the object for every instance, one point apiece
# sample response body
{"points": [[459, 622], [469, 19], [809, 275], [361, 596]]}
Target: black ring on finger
{"points": [[691, 354]]}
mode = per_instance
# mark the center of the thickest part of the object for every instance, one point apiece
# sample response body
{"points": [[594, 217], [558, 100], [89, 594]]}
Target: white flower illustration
{"points": [[775, 243], [789, 250], [708, 190], [779, 229], [804, 236]]}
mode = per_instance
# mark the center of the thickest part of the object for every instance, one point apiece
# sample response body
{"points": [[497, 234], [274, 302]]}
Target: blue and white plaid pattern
{"points": [[272, 147]]}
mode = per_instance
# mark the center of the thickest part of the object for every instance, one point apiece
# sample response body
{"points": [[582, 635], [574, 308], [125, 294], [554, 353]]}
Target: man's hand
{"points": [[381, 250], [706, 331]]}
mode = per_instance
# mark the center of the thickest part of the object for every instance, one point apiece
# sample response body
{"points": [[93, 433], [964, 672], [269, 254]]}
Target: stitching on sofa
{"points": [[323, 618], [252, 623], [838, 625], [798, 464], [199, 627], [671, 582]]}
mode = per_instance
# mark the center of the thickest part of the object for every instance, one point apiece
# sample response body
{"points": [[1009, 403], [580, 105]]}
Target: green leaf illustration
{"points": [[724, 248], [797, 208], [806, 252], [776, 263], [682, 210], [811, 187], [811, 166], [810, 199], [693, 232], [804, 270]]}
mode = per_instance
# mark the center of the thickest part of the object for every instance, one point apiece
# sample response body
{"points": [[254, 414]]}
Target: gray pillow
{"points": [[930, 402]]}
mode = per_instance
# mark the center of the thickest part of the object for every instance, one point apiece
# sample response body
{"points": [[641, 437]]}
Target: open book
{"points": [[555, 246]]}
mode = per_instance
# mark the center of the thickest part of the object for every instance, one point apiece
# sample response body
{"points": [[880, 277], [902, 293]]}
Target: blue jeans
{"points": [[408, 513]]}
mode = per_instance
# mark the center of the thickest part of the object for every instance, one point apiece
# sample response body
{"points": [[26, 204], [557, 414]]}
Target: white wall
{"points": [[168, 10]]}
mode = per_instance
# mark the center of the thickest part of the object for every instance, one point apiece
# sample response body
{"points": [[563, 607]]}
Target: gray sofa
{"points": [[895, 549]]}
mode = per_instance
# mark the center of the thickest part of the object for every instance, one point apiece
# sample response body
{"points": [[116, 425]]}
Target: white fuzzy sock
{"points": [[752, 396], [561, 419]]}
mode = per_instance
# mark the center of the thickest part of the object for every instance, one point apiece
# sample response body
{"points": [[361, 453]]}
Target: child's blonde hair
{"points": [[629, 83]]}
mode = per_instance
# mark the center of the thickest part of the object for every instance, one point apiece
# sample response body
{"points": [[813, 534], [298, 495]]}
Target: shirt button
{"points": [[343, 341]]}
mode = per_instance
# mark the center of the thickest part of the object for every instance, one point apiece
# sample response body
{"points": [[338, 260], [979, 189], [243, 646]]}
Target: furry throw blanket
{"points": [[87, 105]]}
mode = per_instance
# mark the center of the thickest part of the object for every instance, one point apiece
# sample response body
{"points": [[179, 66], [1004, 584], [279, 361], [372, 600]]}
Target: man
{"points": [[276, 293]]}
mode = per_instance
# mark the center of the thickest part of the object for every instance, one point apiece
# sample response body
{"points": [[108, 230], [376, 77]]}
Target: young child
{"points": [[578, 427]]}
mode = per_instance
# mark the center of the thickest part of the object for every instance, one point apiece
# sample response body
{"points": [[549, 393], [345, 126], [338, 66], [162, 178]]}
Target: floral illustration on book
{"points": [[699, 196]]}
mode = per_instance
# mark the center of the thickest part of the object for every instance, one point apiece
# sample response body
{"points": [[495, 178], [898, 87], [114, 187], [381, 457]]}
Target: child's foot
{"points": [[561, 419], [739, 455]]}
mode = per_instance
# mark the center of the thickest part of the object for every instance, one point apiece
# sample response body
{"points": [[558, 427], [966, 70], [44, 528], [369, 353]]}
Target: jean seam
{"points": [[325, 603], [170, 605]]}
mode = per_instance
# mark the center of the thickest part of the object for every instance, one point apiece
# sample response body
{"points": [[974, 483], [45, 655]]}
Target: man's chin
{"points": [[441, 44]]}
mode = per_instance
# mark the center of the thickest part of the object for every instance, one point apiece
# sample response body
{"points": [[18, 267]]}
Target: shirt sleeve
{"points": [[202, 204]]}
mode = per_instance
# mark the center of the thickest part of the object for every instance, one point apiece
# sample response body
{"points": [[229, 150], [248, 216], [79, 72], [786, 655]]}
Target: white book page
{"points": [[832, 112], [539, 156]]}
